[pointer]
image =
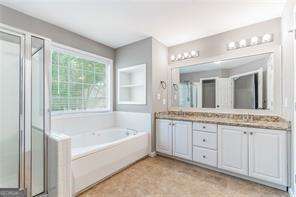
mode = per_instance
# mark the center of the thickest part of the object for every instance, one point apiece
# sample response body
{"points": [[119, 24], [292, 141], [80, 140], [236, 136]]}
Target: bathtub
{"points": [[99, 154]]}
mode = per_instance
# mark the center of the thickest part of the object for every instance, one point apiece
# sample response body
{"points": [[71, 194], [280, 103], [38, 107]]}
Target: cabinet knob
{"points": [[203, 127], [245, 132], [204, 140], [251, 133], [204, 156]]}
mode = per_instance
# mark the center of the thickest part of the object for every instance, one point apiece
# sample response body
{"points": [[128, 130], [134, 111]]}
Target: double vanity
{"points": [[252, 147]]}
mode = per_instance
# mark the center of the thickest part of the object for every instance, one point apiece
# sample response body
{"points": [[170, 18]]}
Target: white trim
{"points": [[291, 192], [247, 73], [81, 53], [152, 154]]}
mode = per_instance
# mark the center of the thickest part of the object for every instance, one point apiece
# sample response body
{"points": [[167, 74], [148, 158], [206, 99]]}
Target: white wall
{"points": [[79, 123], [72, 124]]}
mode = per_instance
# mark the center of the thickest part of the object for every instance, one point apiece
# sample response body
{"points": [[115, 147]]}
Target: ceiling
{"points": [[119, 22], [226, 64]]}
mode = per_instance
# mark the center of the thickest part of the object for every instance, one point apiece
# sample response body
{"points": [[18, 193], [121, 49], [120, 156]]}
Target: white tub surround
{"points": [[96, 161], [59, 173], [103, 144]]}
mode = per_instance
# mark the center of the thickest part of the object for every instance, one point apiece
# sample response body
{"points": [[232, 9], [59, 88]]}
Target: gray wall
{"points": [[154, 54], [28, 23], [216, 45], [139, 52], [159, 73]]}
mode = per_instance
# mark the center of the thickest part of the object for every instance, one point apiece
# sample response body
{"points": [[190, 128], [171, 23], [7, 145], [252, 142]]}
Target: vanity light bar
{"points": [[256, 40], [185, 55]]}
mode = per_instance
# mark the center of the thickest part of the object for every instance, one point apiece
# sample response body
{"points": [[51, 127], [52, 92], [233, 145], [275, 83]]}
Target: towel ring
{"points": [[163, 84]]}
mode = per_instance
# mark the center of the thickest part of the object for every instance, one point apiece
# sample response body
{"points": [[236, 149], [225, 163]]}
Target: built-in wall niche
{"points": [[132, 85]]}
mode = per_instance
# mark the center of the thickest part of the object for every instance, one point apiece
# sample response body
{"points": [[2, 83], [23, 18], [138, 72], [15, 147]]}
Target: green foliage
{"points": [[77, 83]]}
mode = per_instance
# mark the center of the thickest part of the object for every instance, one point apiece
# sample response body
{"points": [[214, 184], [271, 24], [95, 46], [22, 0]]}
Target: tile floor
{"points": [[165, 177]]}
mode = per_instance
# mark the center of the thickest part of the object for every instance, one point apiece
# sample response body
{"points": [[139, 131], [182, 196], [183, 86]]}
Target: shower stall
{"points": [[24, 110]]}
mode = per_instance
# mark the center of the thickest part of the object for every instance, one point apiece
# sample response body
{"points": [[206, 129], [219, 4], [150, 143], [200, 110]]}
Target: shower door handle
{"points": [[21, 91]]}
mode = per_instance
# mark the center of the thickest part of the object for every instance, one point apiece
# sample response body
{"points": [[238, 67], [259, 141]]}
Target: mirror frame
{"points": [[234, 54]]}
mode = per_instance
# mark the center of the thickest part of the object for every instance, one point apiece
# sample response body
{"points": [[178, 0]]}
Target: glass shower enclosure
{"points": [[24, 111]]}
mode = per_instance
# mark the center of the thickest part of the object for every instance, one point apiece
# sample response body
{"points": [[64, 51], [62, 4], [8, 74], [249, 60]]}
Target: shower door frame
{"points": [[25, 98]]}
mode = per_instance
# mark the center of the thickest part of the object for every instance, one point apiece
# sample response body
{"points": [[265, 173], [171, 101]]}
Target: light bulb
{"points": [[179, 56], [254, 40], [186, 55], [231, 45], [173, 57], [243, 43], [193, 53], [267, 38]]}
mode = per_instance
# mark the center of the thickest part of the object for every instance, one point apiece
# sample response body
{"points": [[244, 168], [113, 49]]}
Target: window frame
{"points": [[60, 48]]}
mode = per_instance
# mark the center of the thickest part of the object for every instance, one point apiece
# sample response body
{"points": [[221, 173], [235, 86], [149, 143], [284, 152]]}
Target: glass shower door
{"points": [[11, 103], [38, 112]]}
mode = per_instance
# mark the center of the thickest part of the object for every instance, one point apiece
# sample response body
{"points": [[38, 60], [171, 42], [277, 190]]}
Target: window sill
{"points": [[72, 114]]}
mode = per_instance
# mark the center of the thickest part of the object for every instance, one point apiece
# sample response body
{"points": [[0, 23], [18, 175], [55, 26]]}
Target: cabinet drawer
{"points": [[205, 127], [205, 139], [205, 156]]}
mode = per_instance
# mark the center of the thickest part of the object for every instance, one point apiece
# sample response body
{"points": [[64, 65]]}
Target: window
{"points": [[80, 82]]}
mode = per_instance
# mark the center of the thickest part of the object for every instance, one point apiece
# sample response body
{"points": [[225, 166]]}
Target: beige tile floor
{"points": [[164, 177]]}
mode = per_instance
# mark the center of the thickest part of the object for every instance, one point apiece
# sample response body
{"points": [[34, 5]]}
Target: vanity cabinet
{"points": [[164, 136], [182, 139], [174, 138], [205, 143], [268, 155], [258, 153], [233, 149]]}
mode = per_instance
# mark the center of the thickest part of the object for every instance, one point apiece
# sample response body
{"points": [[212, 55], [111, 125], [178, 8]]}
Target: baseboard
{"points": [[291, 192], [152, 154]]}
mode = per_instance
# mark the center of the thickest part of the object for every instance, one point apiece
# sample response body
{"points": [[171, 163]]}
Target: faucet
{"points": [[134, 132]]}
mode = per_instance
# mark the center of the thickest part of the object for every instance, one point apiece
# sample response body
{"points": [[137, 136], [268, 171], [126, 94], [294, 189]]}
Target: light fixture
{"points": [[267, 38], [254, 40], [231, 45], [218, 62], [184, 55], [193, 53], [179, 56], [243, 43], [173, 57]]}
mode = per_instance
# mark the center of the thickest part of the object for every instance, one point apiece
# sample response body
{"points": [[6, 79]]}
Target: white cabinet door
{"points": [[233, 149], [268, 155], [164, 136], [182, 139]]}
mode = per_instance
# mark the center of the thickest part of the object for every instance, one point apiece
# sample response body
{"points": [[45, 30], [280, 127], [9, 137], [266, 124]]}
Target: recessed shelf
{"points": [[132, 85]]}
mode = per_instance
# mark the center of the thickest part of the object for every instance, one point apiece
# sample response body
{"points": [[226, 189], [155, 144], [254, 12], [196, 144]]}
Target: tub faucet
{"points": [[134, 132]]}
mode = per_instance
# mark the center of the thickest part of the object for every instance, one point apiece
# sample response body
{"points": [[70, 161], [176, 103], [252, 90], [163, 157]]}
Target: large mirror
{"points": [[241, 83]]}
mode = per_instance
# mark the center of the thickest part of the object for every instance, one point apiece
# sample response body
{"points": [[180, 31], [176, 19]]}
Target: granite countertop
{"points": [[243, 120]]}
